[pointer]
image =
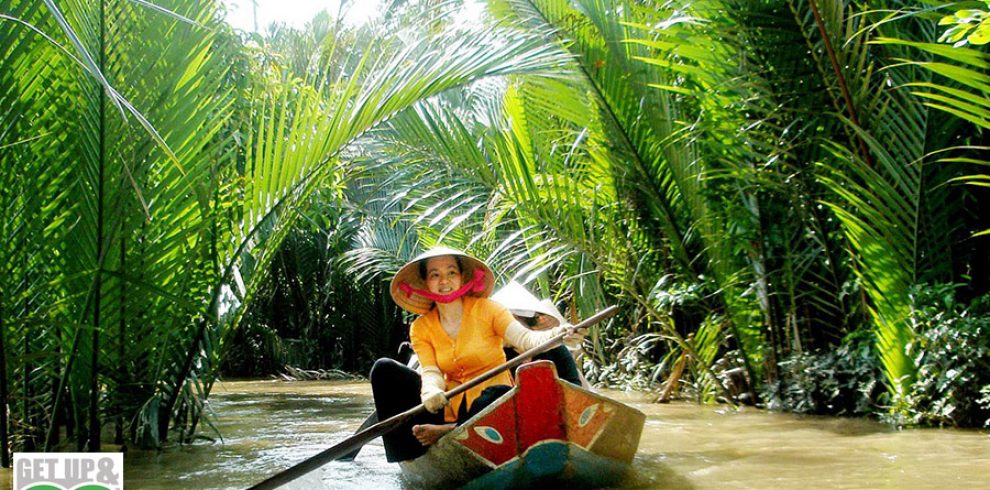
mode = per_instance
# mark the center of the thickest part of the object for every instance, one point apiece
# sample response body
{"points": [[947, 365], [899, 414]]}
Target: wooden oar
{"points": [[372, 419], [368, 422], [391, 423]]}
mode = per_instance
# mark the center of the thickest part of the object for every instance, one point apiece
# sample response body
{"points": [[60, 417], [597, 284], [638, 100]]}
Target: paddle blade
{"points": [[342, 448], [368, 422]]}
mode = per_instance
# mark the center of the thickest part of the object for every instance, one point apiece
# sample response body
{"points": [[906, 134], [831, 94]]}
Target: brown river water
{"points": [[270, 425]]}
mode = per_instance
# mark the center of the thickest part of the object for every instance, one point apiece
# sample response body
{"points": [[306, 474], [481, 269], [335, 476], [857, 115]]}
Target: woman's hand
{"points": [[435, 401], [431, 392]]}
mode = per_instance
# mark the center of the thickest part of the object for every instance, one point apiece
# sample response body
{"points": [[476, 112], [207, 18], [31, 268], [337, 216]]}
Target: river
{"points": [[269, 425]]}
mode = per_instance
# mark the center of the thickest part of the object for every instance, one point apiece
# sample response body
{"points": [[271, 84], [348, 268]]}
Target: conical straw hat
{"points": [[409, 274], [520, 301]]}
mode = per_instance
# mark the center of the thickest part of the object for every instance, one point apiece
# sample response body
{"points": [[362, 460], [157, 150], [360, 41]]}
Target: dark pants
{"points": [[562, 359], [396, 389]]}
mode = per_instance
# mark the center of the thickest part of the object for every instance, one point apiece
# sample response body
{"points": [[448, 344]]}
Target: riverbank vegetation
{"points": [[784, 197]]}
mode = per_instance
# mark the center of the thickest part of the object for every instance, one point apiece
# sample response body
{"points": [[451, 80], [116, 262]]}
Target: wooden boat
{"points": [[542, 431]]}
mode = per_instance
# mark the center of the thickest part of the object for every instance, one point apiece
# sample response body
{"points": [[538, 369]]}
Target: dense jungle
{"points": [[786, 198]]}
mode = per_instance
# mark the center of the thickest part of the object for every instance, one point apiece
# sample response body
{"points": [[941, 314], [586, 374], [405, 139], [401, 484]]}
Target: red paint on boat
{"points": [[538, 403]]}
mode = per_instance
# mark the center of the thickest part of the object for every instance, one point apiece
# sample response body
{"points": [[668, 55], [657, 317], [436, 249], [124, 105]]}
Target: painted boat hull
{"points": [[543, 431]]}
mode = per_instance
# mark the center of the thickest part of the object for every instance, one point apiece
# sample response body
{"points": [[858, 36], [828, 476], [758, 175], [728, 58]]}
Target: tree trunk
{"points": [[121, 338], [94, 379], [673, 381], [29, 434], [165, 411], [4, 435]]}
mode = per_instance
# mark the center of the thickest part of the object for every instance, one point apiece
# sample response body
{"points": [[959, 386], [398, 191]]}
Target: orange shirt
{"points": [[477, 349]]}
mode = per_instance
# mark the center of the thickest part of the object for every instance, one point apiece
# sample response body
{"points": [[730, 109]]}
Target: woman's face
{"points": [[538, 322], [443, 275]]}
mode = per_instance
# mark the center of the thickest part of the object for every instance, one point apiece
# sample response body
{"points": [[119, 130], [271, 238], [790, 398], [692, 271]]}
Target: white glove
{"points": [[434, 402], [432, 390], [524, 339]]}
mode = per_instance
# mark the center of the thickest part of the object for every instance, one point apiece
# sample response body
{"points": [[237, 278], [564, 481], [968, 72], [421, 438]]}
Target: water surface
{"points": [[270, 425]]}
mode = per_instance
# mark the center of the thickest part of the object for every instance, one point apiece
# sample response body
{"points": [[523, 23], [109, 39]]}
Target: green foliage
{"points": [[310, 313], [952, 352], [749, 179], [634, 367], [799, 192], [968, 26], [154, 165], [131, 122], [257, 350], [840, 381], [953, 358]]}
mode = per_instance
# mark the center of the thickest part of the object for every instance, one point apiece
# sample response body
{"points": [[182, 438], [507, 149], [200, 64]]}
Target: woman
{"points": [[538, 314], [458, 336]]}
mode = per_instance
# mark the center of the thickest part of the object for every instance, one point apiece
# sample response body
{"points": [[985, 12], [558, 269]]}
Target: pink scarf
{"points": [[475, 285]]}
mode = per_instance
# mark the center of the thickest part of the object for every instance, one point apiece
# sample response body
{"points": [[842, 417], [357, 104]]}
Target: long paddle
{"points": [[391, 423], [412, 363]]}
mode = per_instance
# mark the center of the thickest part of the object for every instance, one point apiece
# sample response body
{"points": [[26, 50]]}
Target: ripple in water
{"points": [[268, 427]]}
